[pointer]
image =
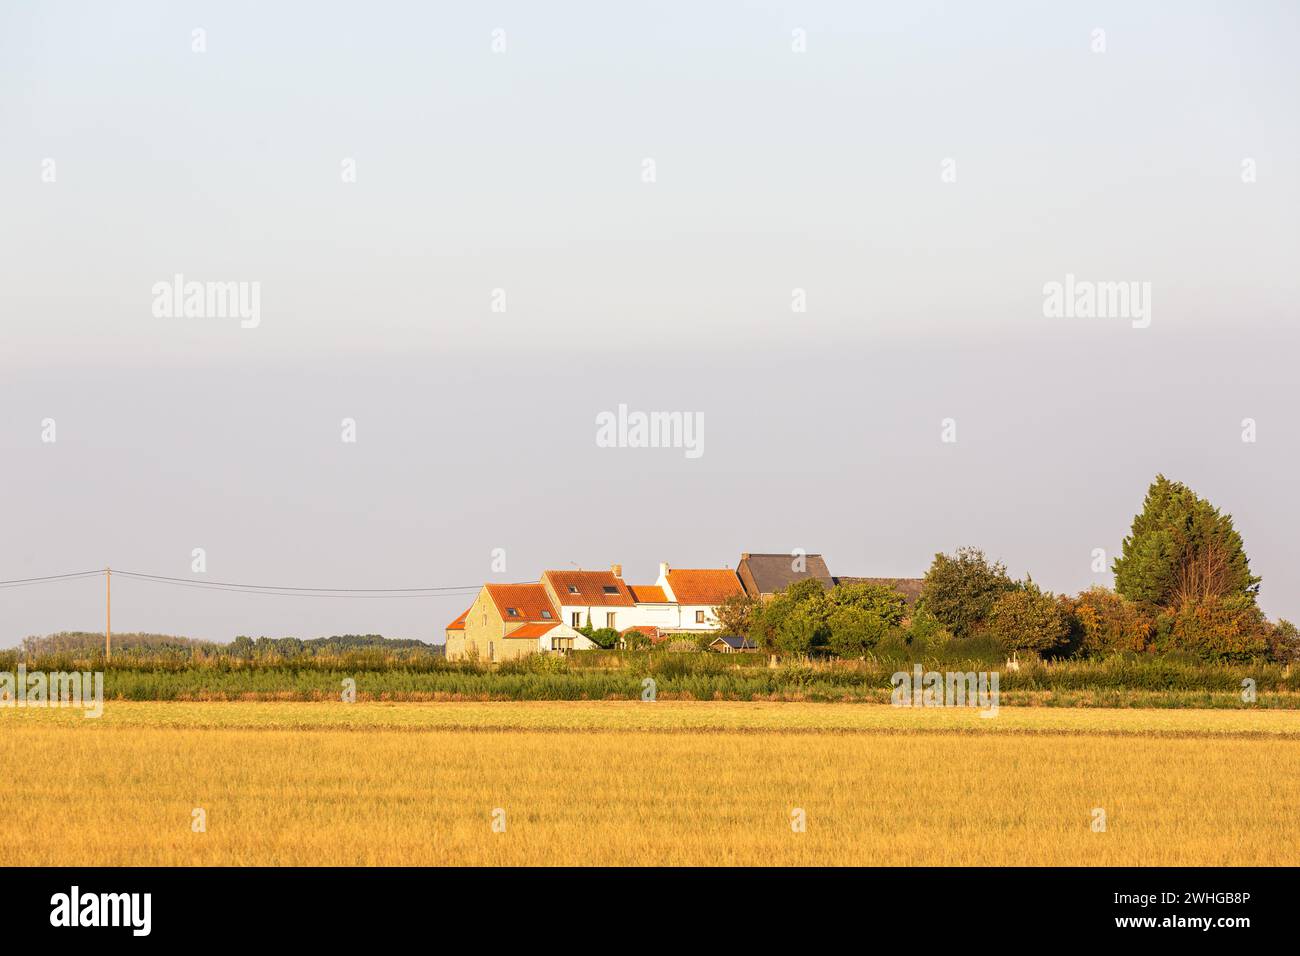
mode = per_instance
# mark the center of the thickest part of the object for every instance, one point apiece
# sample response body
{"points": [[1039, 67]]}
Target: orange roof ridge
{"points": [[533, 629], [593, 588], [648, 594], [703, 585], [530, 600]]}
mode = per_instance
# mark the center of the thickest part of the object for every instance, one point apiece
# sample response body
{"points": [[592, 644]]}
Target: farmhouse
{"points": [[508, 621], [595, 598], [512, 620], [455, 647], [696, 594]]}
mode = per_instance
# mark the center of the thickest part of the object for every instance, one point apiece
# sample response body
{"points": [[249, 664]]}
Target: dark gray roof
{"points": [[770, 573], [735, 643], [909, 587]]}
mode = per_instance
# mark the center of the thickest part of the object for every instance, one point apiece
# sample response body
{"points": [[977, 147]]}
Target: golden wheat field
{"points": [[631, 783]]}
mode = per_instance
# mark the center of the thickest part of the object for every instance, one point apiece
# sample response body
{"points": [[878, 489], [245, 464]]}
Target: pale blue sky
{"points": [[522, 171]]}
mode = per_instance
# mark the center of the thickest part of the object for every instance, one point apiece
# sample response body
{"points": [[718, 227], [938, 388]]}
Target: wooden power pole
{"points": [[108, 614]]}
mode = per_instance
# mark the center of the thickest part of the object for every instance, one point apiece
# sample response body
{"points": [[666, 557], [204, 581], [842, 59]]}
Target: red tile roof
{"points": [[530, 631], [529, 600], [703, 585], [590, 588], [648, 594], [459, 623]]}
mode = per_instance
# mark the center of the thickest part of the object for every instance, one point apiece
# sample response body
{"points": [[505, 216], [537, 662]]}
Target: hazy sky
{"points": [[828, 170]]}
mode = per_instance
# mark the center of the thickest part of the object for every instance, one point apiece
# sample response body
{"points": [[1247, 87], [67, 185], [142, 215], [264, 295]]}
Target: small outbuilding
{"points": [[731, 644]]}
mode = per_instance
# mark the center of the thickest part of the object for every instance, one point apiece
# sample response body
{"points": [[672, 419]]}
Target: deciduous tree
{"points": [[1027, 619], [960, 589]]}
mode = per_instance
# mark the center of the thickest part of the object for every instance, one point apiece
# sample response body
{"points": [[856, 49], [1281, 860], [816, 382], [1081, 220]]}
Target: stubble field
{"points": [[631, 783]]}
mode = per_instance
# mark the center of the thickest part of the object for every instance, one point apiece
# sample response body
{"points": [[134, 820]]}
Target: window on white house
{"points": [[609, 619], [699, 617], [577, 618]]}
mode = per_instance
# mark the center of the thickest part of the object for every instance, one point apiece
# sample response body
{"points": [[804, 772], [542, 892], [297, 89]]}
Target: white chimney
{"points": [[663, 569]]}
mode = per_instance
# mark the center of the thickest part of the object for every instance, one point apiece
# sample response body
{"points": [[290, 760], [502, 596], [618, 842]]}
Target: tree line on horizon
{"points": [[241, 648]]}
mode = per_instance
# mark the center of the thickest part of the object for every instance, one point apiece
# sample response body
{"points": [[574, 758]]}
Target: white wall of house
{"points": [[667, 615], [623, 616], [659, 615], [691, 611], [563, 631], [675, 617], [687, 613]]}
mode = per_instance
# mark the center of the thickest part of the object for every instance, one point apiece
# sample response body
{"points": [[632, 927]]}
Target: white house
{"points": [[696, 594], [598, 598]]}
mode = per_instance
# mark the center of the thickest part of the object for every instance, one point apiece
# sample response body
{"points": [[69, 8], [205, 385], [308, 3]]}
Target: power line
{"points": [[290, 587], [49, 578], [355, 595], [278, 590]]}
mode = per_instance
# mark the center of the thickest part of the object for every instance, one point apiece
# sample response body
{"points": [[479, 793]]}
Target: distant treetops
{"points": [[1183, 587], [1182, 584]]}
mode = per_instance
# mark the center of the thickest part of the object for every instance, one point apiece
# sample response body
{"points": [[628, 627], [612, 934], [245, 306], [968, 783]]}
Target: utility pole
{"points": [[108, 614]]}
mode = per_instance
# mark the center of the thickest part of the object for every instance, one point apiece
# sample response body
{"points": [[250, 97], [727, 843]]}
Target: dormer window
{"points": [[512, 611], [610, 589], [546, 615], [573, 589]]}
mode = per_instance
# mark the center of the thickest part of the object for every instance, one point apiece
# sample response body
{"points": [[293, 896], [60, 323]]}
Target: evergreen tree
{"points": [[1182, 550]]}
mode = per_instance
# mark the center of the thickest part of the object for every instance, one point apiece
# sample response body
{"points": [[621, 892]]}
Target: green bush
{"points": [[961, 589], [1027, 619], [854, 631], [605, 637]]}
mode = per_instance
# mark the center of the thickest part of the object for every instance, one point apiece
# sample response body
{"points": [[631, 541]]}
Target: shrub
{"points": [[884, 603], [1228, 629], [924, 629], [1027, 619], [635, 640], [605, 637], [1108, 623], [854, 631], [771, 627], [1284, 642], [737, 613], [547, 664], [960, 590], [803, 628], [681, 645]]}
